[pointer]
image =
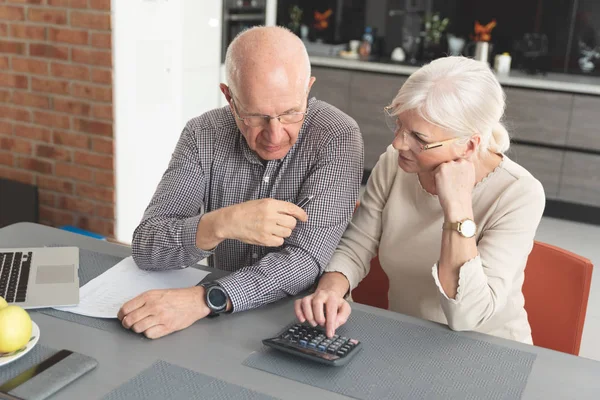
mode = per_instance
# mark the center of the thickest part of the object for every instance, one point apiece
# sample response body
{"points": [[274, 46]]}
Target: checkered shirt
{"points": [[213, 167]]}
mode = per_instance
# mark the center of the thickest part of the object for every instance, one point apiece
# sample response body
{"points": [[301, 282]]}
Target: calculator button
{"points": [[321, 348], [341, 353], [354, 341], [311, 344], [331, 350], [344, 338], [303, 342]]}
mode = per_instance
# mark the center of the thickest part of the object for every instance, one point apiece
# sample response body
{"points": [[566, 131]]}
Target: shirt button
{"points": [[254, 255], [266, 179]]}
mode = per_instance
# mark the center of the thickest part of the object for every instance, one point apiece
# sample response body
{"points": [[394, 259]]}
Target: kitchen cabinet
{"points": [[544, 164], [584, 128], [552, 124], [332, 86], [580, 179], [538, 116], [369, 94]]}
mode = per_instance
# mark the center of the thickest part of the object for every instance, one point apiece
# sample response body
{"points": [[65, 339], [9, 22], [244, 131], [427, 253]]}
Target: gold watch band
{"points": [[454, 226]]}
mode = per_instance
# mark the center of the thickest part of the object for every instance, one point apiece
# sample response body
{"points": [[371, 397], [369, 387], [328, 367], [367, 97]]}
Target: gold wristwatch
{"points": [[466, 227]]}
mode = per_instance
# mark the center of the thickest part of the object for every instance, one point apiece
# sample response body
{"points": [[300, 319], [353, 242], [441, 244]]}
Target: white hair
{"points": [[233, 59], [460, 95]]}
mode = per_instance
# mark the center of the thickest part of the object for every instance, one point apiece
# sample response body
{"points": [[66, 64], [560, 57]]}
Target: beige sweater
{"points": [[404, 221]]}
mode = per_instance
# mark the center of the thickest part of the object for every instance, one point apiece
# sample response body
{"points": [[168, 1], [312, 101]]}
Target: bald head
{"points": [[267, 56]]}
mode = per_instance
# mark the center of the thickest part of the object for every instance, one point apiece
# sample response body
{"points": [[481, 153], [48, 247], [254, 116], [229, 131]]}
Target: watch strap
{"points": [[454, 226]]}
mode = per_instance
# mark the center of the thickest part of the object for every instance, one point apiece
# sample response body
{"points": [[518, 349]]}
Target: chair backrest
{"points": [[556, 291], [373, 290]]}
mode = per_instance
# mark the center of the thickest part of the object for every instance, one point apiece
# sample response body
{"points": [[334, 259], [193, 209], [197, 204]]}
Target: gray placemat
{"points": [[35, 356], [167, 381], [400, 360], [91, 265]]}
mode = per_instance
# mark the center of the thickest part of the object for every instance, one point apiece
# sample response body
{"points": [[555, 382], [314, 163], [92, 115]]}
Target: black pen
{"points": [[302, 203]]}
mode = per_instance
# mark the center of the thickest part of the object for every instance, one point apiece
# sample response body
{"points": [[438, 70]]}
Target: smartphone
{"points": [[48, 377]]}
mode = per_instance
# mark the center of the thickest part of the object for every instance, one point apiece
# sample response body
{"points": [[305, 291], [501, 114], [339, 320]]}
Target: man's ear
{"points": [[310, 82], [225, 90]]}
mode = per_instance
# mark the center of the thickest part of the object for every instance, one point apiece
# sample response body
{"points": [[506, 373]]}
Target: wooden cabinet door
{"points": [[370, 92], [332, 86], [584, 130], [538, 116], [580, 180], [544, 164]]}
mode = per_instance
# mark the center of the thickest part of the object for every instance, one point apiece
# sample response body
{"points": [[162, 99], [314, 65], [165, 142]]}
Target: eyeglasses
{"points": [[414, 142], [255, 121]]}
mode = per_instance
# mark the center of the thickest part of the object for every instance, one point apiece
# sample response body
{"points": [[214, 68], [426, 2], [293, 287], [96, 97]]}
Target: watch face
{"points": [[216, 297], [468, 228]]}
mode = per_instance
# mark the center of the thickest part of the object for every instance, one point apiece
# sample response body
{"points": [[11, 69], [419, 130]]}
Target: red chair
{"points": [[373, 290], [556, 290]]}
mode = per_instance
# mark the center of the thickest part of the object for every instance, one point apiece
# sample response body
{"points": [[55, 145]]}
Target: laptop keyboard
{"points": [[14, 276]]}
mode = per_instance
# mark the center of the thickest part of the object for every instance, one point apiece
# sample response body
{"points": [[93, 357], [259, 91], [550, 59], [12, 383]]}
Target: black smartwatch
{"points": [[215, 297]]}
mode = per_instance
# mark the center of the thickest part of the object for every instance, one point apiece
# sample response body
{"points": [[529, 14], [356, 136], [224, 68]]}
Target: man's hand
{"points": [[157, 313], [324, 307], [264, 222]]}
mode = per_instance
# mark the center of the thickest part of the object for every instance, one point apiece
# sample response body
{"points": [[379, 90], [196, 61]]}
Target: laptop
{"points": [[40, 277]]}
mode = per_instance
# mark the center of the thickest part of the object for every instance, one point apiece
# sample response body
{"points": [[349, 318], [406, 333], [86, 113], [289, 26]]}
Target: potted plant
{"points": [[295, 19], [433, 32]]}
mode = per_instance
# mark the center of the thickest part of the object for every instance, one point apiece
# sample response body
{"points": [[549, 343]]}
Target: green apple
{"points": [[15, 328]]}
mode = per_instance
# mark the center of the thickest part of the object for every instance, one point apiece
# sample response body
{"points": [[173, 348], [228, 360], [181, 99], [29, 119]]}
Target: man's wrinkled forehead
{"points": [[274, 83]]}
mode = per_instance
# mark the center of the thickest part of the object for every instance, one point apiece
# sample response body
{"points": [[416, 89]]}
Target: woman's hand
{"points": [[454, 182], [324, 307]]}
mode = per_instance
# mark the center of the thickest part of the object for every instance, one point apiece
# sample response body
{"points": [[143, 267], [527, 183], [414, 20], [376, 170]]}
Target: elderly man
{"points": [[231, 185]]}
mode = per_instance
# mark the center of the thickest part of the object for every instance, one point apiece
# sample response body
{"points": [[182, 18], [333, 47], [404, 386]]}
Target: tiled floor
{"points": [[584, 240]]}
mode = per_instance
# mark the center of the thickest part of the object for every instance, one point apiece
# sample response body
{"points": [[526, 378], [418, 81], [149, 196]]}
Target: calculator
{"points": [[313, 344]]}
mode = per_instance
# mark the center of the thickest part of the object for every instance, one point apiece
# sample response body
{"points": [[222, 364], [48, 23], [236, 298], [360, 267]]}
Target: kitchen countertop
{"points": [[551, 81]]}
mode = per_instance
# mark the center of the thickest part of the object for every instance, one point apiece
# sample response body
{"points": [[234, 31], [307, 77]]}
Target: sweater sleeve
{"points": [[361, 239], [486, 281]]}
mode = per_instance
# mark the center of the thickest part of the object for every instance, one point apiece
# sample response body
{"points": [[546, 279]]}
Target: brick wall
{"points": [[56, 126]]}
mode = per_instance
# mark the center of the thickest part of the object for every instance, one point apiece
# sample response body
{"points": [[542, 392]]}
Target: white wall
{"points": [[166, 71], [271, 13]]}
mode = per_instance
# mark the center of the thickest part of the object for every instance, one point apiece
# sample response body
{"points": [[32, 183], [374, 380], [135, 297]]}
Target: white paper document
{"points": [[102, 297]]}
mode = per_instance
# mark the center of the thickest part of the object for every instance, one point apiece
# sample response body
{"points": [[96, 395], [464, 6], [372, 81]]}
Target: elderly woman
{"points": [[451, 216]]}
